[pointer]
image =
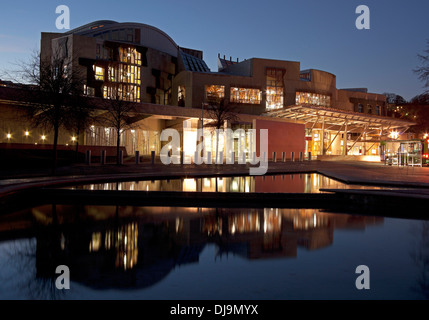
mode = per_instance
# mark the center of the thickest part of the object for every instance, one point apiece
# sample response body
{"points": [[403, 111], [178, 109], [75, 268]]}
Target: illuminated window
{"points": [[130, 56], [313, 98], [215, 91], [99, 73], [88, 91], [127, 92], [244, 95], [274, 89], [181, 95]]}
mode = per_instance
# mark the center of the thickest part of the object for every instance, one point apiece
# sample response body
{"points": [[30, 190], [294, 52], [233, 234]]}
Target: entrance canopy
{"points": [[315, 116]]}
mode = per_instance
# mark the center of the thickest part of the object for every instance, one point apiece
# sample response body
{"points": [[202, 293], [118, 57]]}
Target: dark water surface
{"points": [[167, 253]]}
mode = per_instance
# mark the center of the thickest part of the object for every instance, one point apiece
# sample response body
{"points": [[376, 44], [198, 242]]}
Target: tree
{"points": [[395, 104], [419, 105], [423, 69], [80, 116], [219, 111], [120, 114], [53, 94]]}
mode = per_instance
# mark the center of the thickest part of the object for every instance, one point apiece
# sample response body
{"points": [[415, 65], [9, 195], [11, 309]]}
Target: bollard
{"points": [[137, 157], [103, 157], [220, 158], [231, 158], [274, 157], [152, 157], [292, 156], [300, 156], [88, 157], [283, 156], [243, 158], [309, 156]]}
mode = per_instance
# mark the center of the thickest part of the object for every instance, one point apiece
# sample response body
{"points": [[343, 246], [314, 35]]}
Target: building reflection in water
{"points": [[123, 241], [135, 247], [289, 183]]}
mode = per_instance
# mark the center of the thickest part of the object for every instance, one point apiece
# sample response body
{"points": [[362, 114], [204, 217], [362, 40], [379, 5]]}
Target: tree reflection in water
{"points": [[420, 257], [21, 258]]}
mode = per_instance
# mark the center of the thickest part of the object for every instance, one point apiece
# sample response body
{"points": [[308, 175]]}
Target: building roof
{"points": [[193, 63], [148, 36], [224, 63], [308, 113]]}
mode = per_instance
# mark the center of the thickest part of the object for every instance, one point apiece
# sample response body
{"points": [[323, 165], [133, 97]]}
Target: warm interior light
{"points": [[43, 137], [73, 138], [27, 133], [394, 135], [9, 136]]}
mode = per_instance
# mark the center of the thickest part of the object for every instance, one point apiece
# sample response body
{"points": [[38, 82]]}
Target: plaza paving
{"points": [[348, 171], [404, 192]]}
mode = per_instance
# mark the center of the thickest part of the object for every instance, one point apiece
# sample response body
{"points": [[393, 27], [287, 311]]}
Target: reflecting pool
{"points": [[287, 183], [167, 253]]}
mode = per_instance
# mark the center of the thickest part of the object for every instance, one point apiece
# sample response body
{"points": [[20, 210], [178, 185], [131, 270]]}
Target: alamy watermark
{"points": [[172, 152], [63, 20], [63, 280], [362, 281], [362, 21]]}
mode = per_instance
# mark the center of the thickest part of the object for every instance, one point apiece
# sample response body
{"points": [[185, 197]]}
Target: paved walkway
{"points": [[348, 172]]}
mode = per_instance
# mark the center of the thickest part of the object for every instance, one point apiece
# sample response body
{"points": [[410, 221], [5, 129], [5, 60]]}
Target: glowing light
{"points": [[9, 136], [27, 133], [73, 138], [43, 137], [394, 135]]}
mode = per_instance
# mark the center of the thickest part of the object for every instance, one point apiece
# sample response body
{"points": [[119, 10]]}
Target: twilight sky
{"points": [[319, 34]]}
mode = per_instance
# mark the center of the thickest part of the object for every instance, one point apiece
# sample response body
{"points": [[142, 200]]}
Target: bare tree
{"points": [[219, 111], [423, 70], [120, 114], [81, 114], [53, 92]]}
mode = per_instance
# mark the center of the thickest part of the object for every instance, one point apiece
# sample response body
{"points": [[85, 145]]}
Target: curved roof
{"points": [[150, 36]]}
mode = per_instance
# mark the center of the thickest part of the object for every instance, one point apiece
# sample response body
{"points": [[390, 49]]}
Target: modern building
{"points": [[302, 109]]}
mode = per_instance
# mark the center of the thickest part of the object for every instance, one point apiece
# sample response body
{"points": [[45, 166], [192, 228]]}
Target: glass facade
{"points": [[245, 95], [123, 77], [313, 98], [215, 91], [275, 88], [139, 139]]}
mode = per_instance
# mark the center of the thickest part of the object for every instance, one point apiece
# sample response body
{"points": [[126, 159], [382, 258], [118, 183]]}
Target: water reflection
{"points": [[137, 247], [420, 256], [289, 183]]}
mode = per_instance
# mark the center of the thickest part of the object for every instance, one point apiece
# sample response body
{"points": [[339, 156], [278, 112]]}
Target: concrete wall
{"points": [[349, 100]]}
